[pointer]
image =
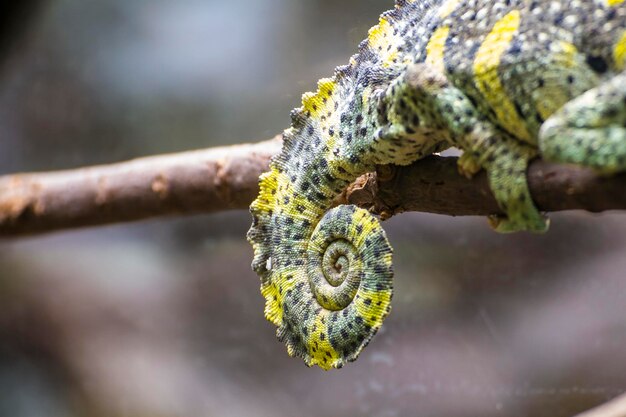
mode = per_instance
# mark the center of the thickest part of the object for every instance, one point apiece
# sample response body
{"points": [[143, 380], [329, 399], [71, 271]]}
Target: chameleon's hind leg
{"points": [[590, 130], [439, 106]]}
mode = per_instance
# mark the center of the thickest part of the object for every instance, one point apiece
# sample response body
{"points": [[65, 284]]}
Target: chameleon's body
{"points": [[503, 80]]}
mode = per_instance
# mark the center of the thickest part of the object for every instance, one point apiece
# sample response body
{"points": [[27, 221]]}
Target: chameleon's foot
{"points": [[506, 170], [467, 165], [590, 130]]}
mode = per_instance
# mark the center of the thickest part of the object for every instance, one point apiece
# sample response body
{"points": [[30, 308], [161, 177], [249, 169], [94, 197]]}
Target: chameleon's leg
{"points": [[441, 106], [506, 161], [590, 130], [506, 165]]}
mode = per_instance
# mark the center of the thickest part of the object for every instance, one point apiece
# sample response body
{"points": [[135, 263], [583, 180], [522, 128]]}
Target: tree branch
{"points": [[225, 178], [203, 181]]}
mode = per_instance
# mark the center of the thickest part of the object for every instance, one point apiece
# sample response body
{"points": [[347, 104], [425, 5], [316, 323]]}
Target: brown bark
{"points": [[434, 185], [203, 181], [226, 178]]}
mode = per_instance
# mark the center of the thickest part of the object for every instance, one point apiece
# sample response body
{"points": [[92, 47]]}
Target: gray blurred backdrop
{"points": [[165, 318]]}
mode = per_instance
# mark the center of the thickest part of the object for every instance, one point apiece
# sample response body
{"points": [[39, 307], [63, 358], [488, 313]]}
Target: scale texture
{"points": [[504, 81]]}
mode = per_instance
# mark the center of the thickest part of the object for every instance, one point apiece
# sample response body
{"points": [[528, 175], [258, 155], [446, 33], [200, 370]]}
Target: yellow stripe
{"points": [[614, 2], [435, 48], [619, 52], [486, 66]]}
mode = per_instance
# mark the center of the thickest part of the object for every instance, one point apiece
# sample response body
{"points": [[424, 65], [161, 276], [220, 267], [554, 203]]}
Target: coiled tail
{"points": [[326, 276], [326, 272]]}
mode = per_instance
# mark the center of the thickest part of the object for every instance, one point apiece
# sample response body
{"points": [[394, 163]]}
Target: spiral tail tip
{"points": [[344, 296]]}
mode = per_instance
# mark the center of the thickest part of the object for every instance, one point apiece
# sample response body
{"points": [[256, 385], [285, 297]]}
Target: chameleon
{"points": [[504, 81]]}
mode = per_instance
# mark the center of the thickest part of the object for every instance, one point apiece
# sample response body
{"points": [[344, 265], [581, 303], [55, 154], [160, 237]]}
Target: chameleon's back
{"points": [[503, 66], [521, 60]]}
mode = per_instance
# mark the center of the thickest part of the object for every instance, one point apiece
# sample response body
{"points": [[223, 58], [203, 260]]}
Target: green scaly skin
{"points": [[502, 80]]}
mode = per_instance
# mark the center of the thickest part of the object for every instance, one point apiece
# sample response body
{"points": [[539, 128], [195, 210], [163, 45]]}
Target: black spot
{"points": [[597, 64], [322, 337], [538, 118], [558, 19]]}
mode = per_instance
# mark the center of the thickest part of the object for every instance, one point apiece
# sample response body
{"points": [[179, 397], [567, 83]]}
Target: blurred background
{"points": [[165, 318]]}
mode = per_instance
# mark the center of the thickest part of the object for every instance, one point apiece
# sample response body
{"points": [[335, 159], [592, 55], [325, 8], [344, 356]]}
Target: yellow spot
{"points": [[436, 47], [316, 102], [273, 305], [268, 185], [486, 66], [614, 2], [569, 54], [619, 52], [274, 292], [372, 305], [380, 37], [377, 33], [321, 351], [447, 8]]}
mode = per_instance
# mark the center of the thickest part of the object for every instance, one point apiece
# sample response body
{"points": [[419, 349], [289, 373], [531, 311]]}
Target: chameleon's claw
{"points": [[503, 224]]}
